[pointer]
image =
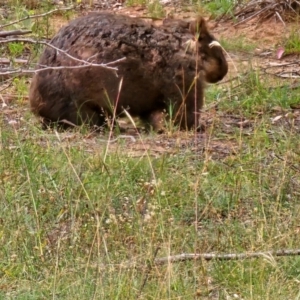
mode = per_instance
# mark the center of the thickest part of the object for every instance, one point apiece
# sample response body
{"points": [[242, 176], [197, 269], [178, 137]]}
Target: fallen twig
{"points": [[7, 61], [231, 256], [287, 74], [33, 71], [252, 16], [85, 62], [4, 34], [279, 17], [272, 64], [264, 9]]}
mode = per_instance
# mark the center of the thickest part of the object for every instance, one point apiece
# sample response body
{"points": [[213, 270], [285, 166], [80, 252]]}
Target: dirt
{"points": [[267, 34]]}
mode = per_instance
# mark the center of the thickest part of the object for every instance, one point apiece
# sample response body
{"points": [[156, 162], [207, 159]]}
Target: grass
{"points": [[71, 218], [238, 44], [154, 8], [292, 43], [252, 96], [77, 212], [220, 7]]}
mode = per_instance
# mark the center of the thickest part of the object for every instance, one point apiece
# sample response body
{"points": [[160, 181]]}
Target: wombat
{"points": [[159, 69]]}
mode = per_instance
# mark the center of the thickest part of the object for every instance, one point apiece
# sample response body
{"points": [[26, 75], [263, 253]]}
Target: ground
{"points": [[85, 215]]}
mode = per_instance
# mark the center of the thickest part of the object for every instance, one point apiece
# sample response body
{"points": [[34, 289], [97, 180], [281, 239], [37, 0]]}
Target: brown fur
{"points": [[164, 66]]}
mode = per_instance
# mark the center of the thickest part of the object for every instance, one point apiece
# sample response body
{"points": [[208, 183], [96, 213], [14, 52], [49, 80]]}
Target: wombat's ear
{"points": [[199, 28]]}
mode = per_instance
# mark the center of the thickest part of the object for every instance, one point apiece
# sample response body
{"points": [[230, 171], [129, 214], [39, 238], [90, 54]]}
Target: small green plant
{"points": [[135, 2], [251, 94], [292, 44], [15, 49], [155, 9], [21, 87], [220, 7]]}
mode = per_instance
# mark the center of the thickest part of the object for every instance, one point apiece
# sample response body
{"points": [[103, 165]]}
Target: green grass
{"points": [[154, 8], [292, 42], [219, 7], [81, 218], [255, 93], [135, 2], [238, 44], [72, 218]]}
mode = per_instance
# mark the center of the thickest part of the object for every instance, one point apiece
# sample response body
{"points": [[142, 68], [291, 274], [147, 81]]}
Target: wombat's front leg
{"points": [[155, 120]]}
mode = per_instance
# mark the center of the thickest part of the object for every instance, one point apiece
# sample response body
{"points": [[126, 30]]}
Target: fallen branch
{"points": [[85, 63], [276, 65], [252, 16], [4, 34], [231, 256], [34, 71], [287, 75], [7, 61]]}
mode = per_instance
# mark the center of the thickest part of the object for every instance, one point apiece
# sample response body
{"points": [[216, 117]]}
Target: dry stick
{"points": [[252, 16], [4, 34], [275, 65], [86, 63], [33, 71], [37, 16], [270, 7], [288, 4], [245, 10], [283, 74], [286, 75], [7, 61], [279, 17], [231, 256]]}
